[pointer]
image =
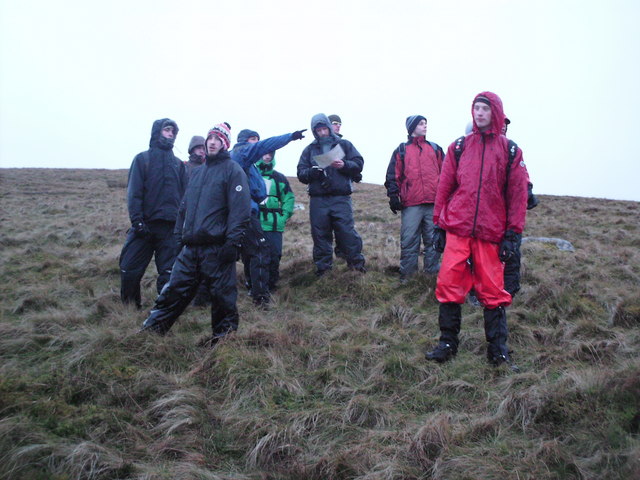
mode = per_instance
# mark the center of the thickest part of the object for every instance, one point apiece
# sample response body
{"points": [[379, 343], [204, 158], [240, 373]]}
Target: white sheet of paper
{"points": [[326, 159]]}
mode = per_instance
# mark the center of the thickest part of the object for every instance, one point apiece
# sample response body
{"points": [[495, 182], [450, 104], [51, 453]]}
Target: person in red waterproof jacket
{"points": [[411, 183], [479, 213]]}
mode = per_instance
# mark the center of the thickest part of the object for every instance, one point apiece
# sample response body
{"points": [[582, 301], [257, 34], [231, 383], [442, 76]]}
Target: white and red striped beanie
{"points": [[223, 132]]}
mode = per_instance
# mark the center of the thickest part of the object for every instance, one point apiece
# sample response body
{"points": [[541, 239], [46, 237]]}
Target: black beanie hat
{"points": [[334, 118], [412, 122]]}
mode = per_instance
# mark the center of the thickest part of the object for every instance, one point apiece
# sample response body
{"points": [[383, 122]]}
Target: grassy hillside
{"points": [[331, 383]]}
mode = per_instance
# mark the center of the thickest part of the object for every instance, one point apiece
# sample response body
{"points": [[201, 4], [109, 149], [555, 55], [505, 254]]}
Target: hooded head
{"points": [[321, 120], [246, 134], [196, 141], [267, 167], [196, 157], [157, 140], [222, 132], [497, 112]]}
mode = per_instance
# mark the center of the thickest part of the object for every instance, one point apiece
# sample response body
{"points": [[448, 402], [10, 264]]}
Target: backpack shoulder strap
{"points": [[402, 148], [513, 150], [458, 149]]}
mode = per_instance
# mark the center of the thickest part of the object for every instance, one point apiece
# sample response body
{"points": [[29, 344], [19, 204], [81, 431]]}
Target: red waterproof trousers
{"points": [[456, 276]]}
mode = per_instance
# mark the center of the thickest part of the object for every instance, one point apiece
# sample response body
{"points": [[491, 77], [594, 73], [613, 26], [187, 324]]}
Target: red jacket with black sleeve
{"points": [[414, 176]]}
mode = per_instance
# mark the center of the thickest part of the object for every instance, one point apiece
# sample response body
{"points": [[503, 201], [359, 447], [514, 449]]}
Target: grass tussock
{"points": [[331, 382]]}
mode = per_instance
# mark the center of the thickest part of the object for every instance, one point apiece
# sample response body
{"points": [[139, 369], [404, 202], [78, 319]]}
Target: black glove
{"points": [[228, 253], [298, 134], [532, 200], [140, 230], [316, 173], [357, 178], [438, 239], [509, 245], [395, 204]]}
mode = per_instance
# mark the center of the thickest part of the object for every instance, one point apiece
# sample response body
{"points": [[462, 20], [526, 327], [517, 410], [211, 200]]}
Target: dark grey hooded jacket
{"points": [[157, 179], [337, 181]]}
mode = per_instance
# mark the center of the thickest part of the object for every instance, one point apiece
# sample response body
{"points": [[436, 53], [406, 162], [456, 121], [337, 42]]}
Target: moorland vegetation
{"points": [[330, 383]]}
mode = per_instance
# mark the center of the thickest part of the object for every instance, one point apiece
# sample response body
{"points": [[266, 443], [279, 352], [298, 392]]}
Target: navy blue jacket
{"points": [[247, 154]]}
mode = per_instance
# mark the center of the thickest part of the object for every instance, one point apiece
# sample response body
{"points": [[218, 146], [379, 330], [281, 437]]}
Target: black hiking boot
{"points": [[502, 359], [442, 353]]}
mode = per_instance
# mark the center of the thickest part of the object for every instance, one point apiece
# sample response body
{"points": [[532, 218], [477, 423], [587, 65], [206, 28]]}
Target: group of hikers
{"points": [[224, 204]]}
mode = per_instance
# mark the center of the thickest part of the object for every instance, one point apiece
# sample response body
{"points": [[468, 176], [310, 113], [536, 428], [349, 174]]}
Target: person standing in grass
{"points": [[411, 183], [157, 181], [275, 211], [255, 251], [512, 264], [213, 217], [330, 210], [196, 159], [479, 213]]}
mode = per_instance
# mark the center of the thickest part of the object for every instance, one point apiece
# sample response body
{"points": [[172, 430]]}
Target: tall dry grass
{"points": [[331, 383]]}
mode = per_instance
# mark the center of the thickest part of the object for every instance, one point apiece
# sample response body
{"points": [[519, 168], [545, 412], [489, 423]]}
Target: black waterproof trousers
{"points": [[255, 257], [196, 264], [136, 255], [333, 215], [274, 240]]}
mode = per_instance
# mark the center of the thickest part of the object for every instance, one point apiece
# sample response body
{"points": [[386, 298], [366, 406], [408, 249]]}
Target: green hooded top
{"points": [[277, 208]]}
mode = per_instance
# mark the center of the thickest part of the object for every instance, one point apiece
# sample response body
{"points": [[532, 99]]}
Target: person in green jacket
{"points": [[275, 211]]}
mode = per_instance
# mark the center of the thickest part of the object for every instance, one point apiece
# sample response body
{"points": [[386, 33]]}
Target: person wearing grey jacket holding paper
{"points": [[330, 210]]}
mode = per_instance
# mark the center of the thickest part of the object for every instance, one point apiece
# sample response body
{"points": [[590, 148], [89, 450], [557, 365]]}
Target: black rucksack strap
{"points": [[513, 150], [458, 149]]}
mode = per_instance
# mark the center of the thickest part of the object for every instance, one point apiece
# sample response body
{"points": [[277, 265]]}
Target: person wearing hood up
{"points": [[479, 213], [255, 251], [275, 212], [213, 217], [157, 181], [330, 209], [196, 153], [411, 182]]}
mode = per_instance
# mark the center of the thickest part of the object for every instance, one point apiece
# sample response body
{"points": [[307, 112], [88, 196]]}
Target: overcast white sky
{"points": [[81, 82]]}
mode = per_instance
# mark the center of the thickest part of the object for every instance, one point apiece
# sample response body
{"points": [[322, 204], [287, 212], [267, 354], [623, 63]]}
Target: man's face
{"points": [[168, 132], [198, 151], [482, 115], [214, 145], [421, 129], [253, 139], [267, 158], [336, 127], [322, 132]]}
